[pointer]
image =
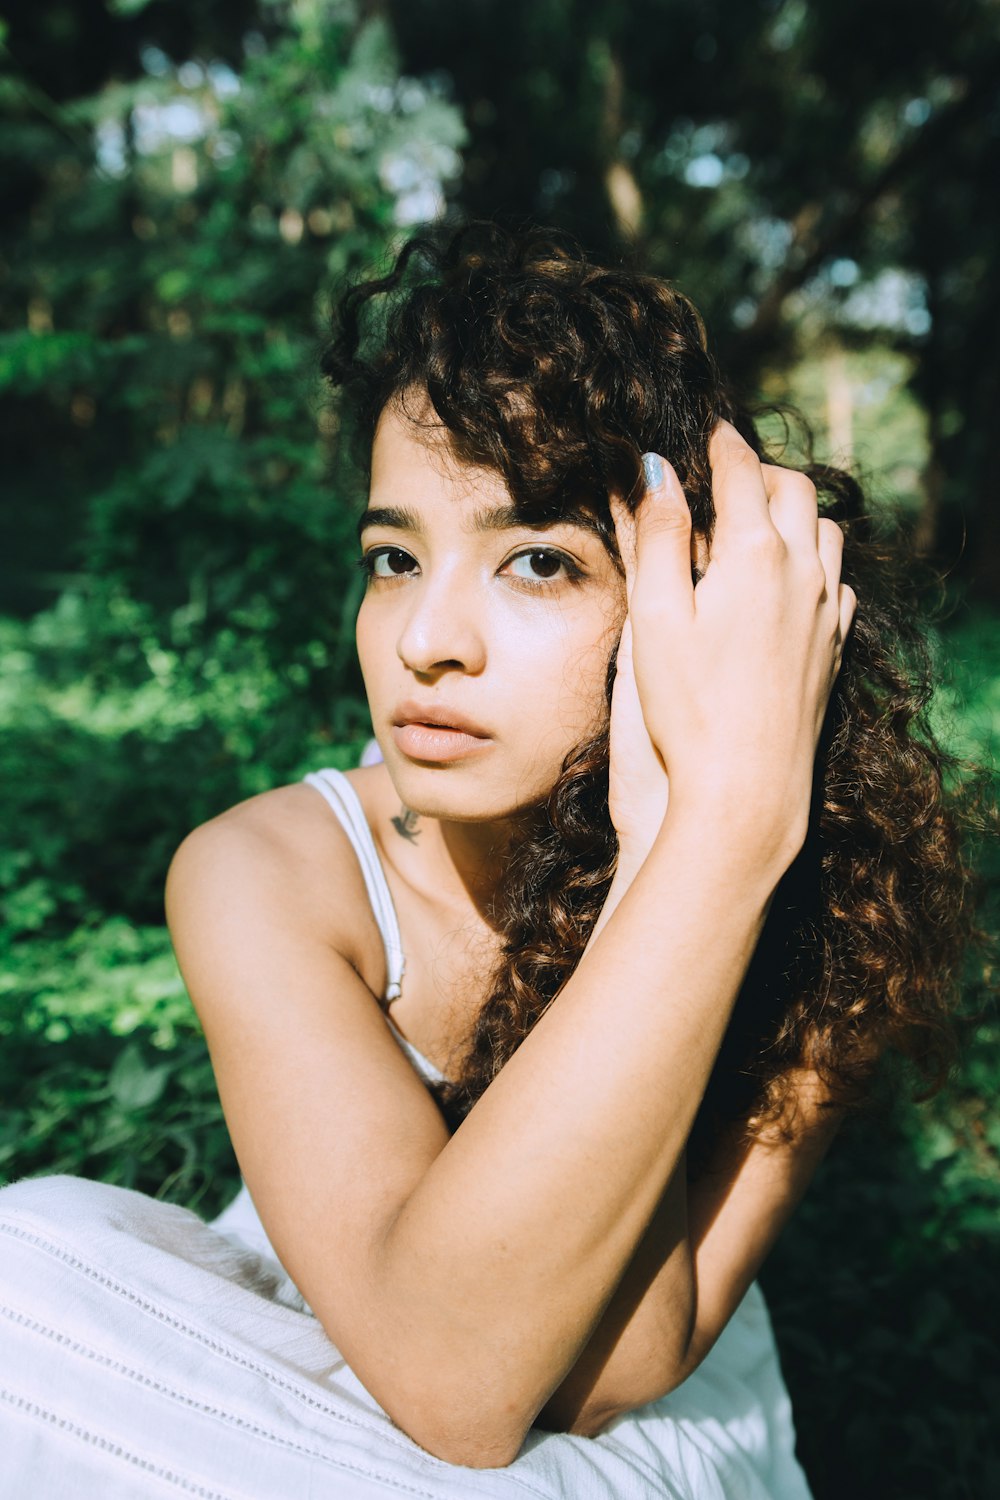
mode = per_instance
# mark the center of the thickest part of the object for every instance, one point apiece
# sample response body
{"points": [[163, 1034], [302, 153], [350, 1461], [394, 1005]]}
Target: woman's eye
{"points": [[388, 562], [539, 565]]}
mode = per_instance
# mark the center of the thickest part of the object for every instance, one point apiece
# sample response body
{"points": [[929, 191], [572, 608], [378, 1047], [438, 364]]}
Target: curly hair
{"points": [[559, 374]]}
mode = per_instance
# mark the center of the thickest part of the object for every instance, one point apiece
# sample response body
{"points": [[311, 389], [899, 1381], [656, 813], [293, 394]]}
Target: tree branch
{"points": [[813, 240]]}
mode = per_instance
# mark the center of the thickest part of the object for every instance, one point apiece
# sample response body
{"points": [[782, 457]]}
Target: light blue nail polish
{"points": [[652, 468]]}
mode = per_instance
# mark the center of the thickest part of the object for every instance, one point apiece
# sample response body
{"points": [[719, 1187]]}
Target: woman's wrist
{"points": [[739, 822], [758, 831], [735, 824], [631, 858]]}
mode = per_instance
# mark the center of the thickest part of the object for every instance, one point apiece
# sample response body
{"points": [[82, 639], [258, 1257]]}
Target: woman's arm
{"points": [[463, 1277], [736, 1210]]}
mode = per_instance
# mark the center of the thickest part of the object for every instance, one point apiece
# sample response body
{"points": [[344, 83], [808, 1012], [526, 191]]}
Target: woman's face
{"points": [[473, 619]]}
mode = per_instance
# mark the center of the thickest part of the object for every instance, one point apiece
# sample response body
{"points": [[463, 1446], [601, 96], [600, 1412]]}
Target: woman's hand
{"points": [[733, 676], [638, 788]]}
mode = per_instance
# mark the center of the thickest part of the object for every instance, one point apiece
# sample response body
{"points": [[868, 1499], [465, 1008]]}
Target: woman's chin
{"points": [[460, 793]]}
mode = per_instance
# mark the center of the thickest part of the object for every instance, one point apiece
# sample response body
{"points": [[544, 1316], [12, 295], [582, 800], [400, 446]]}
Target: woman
{"points": [[643, 887]]}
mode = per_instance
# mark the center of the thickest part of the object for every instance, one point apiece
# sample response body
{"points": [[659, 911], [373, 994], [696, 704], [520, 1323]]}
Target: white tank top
{"points": [[346, 805]]}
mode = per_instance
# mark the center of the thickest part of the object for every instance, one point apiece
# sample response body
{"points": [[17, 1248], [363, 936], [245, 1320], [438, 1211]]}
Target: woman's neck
{"points": [[450, 864], [470, 859]]}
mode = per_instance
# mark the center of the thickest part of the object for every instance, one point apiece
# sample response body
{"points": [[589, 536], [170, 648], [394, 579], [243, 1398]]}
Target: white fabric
{"points": [[371, 755], [345, 803], [144, 1353]]}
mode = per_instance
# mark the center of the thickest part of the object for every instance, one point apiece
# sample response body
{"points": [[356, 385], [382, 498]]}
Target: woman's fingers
{"points": [[732, 693], [848, 602], [661, 565], [625, 534], [793, 510], [738, 490], [830, 545], [623, 657], [792, 505]]}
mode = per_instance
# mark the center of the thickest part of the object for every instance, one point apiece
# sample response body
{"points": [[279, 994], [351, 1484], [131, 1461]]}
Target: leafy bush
{"points": [[180, 564], [103, 1070]]}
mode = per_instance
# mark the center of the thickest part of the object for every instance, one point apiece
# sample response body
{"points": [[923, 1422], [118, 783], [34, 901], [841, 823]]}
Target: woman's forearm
{"points": [[638, 1350], [639, 1343], [516, 1238]]}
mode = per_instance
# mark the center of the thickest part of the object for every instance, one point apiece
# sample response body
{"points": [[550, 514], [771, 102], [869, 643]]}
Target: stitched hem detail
{"points": [[105, 1445], [128, 1294], [226, 1417], [387, 1434]]}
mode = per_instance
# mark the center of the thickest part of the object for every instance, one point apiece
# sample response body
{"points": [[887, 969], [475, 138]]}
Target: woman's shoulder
{"points": [[285, 854]]}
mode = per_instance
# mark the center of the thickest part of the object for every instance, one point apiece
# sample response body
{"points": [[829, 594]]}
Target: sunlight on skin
{"points": [[477, 620]]}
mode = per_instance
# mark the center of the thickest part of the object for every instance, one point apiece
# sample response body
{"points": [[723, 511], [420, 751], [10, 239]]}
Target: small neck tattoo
{"points": [[406, 825]]}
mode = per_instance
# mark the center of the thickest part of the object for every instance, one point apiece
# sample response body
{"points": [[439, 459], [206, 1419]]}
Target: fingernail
{"points": [[652, 468]]}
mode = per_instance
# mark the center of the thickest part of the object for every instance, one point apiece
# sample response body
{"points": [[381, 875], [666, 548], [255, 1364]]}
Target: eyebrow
{"points": [[495, 518]]}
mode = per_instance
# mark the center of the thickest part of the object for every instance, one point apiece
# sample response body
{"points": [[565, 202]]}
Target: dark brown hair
{"points": [[559, 374]]}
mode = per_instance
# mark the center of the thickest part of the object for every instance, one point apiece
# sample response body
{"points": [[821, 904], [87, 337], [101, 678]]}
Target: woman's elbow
{"points": [[485, 1442], [470, 1421], [472, 1454], [605, 1405], [595, 1418], [469, 1443]]}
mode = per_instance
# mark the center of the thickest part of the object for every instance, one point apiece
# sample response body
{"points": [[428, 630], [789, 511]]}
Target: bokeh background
{"points": [[185, 184]]}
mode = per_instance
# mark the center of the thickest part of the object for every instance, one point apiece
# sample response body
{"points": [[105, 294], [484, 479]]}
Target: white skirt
{"points": [[145, 1353]]}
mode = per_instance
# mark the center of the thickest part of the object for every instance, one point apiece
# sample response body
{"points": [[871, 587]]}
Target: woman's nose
{"points": [[443, 629]]}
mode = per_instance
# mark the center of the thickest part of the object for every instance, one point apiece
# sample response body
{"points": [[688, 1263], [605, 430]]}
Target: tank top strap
{"points": [[346, 804]]}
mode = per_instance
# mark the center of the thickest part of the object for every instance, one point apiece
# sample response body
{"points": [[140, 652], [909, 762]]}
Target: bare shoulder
{"points": [[284, 964], [280, 857]]}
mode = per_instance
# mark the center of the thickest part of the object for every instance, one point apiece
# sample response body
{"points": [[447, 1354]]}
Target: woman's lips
{"points": [[436, 742], [439, 716], [436, 732]]}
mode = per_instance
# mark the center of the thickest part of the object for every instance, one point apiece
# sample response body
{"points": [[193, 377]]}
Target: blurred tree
{"points": [[166, 262], [787, 162], [165, 240]]}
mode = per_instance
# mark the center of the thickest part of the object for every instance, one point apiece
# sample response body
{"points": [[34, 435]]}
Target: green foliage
{"points": [[883, 1295], [108, 764], [103, 1071], [183, 515], [883, 1286], [966, 711], [165, 304]]}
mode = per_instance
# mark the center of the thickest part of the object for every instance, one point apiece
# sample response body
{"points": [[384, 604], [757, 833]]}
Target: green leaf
{"points": [[134, 1084]]}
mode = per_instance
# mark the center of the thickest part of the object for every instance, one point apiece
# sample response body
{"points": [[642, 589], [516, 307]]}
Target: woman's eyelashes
{"points": [[533, 567], [386, 562], [538, 566]]}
